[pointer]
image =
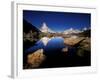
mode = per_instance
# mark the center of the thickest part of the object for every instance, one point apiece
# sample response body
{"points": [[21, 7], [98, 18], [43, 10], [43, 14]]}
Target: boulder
{"points": [[85, 48], [72, 40], [65, 50], [36, 58]]}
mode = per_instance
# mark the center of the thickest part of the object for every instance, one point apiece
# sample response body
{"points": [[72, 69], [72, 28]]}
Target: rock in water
{"points": [[36, 58], [72, 40], [85, 48], [65, 49]]}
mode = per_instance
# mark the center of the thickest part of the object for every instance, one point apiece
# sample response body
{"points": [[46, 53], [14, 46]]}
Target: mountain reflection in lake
{"points": [[55, 56], [47, 44]]}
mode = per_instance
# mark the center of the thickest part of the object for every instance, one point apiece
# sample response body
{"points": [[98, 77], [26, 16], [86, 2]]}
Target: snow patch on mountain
{"points": [[71, 30]]}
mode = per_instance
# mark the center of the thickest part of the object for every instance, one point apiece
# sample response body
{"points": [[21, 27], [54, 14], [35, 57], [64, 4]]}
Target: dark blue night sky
{"points": [[58, 21]]}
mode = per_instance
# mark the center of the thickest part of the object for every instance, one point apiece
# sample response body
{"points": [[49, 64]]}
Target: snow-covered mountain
{"points": [[71, 31], [44, 28]]}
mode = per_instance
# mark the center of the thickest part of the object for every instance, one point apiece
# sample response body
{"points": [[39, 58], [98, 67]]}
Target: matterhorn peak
{"points": [[44, 28], [44, 25]]}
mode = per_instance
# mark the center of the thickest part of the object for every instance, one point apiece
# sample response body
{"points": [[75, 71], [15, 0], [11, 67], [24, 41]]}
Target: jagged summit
{"points": [[44, 28]]}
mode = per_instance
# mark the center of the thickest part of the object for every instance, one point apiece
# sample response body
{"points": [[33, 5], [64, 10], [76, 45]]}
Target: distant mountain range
{"points": [[45, 29], [31, 31]]}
